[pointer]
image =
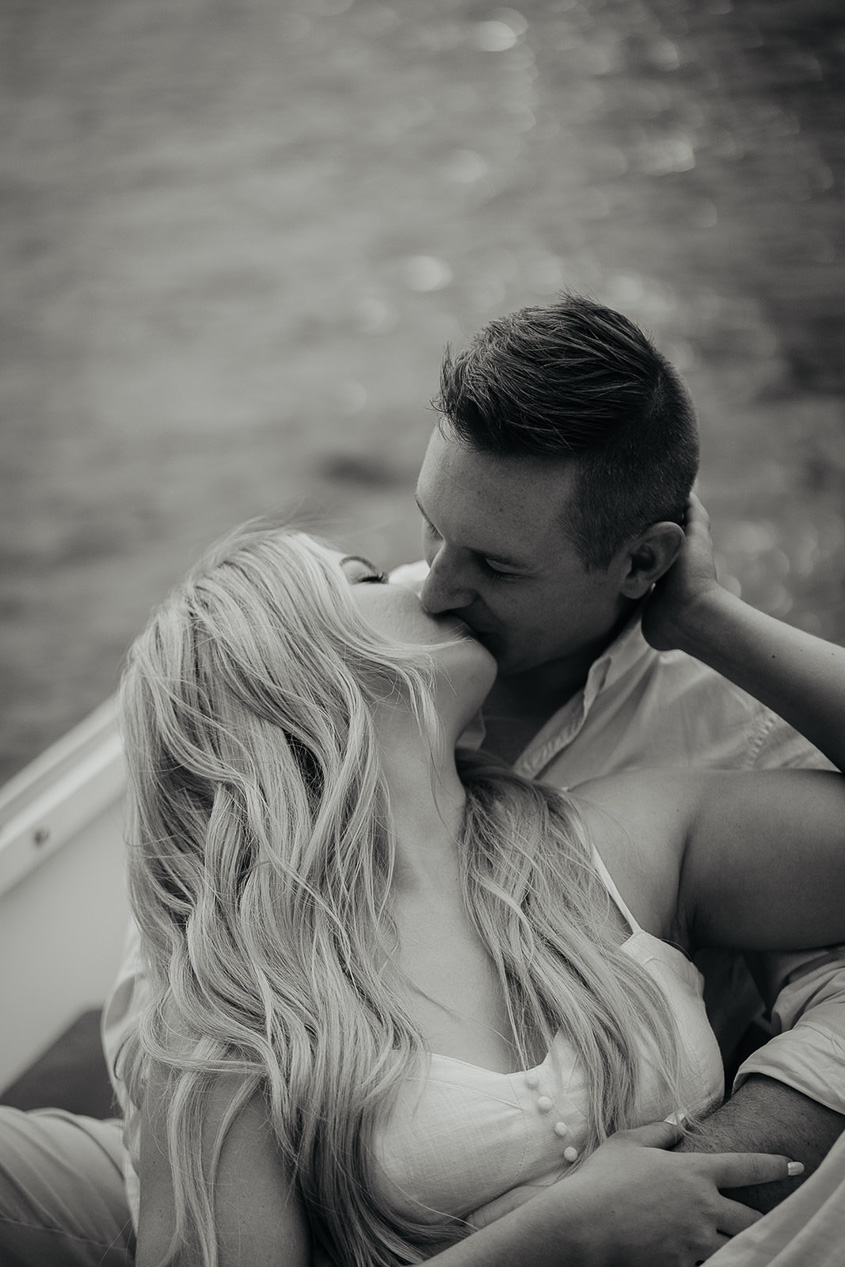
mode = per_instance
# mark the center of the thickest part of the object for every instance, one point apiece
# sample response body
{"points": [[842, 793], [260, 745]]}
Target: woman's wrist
{"points": [[702, 627], [571, 1219]]}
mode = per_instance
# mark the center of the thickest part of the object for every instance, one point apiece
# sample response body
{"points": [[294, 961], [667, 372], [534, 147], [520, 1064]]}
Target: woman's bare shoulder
{"points": [[260, 1218], [638, 822]]}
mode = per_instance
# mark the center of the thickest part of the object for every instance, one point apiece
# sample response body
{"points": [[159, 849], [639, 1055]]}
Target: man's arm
{"points": [[794, 1085], [765, 1115]]}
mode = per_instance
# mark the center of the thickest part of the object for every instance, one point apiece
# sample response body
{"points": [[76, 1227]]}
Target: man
{"points": [[552, 496]]}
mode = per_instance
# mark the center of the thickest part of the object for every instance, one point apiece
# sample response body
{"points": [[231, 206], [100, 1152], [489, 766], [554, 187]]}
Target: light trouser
{"points": [[62, 1196]]}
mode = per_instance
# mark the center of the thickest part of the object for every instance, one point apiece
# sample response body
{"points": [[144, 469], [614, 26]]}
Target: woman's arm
{"points": [[751, 861], [260, 1219], [798, 676], [802, 679], [631, 1202], [630, 1205]]}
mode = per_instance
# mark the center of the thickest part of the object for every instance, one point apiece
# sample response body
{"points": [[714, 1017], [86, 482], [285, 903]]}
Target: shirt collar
{"points": [[618, 660], [628, 648]]}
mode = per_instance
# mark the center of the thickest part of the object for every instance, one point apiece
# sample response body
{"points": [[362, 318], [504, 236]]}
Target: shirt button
{"points": [[532, 1081], [570, 1153], [561, 1129], [544, 1104]]}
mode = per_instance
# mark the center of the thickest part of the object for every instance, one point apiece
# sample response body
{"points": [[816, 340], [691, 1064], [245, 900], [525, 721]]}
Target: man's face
{"points": [[499, 558]]}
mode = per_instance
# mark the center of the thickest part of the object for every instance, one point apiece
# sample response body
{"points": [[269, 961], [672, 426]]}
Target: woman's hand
{"points": [[675, 602], [633, 1204]]}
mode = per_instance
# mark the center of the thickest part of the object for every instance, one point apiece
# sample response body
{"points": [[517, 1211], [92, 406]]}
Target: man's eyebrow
{"points": [[505, 559]]}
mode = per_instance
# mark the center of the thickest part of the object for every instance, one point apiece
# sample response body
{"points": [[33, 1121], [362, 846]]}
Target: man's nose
{"points": [[446, 588]]}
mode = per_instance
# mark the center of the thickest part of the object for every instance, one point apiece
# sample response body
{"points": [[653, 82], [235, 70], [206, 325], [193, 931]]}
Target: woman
{"points": [[389, 989]]}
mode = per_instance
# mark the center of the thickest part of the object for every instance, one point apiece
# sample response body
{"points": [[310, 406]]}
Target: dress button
{"points": [[532, 1081], [544, 1104], [561, 1129], [570, 1153]]}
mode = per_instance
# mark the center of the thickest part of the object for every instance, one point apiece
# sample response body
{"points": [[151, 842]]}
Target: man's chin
{"points": [[492, 641], [507, 663], [511, 663], [509, 660]]}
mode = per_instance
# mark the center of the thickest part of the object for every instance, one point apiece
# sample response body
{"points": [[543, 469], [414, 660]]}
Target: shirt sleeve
{"points": [[780, 747], [123, 1006], [805, 991], [808, 1014]]}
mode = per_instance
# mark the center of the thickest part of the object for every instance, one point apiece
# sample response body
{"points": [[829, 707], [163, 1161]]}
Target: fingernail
{"points": [[794, 1168]]}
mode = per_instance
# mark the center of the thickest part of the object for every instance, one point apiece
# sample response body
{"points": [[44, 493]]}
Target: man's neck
{"points": [[520, 704]]}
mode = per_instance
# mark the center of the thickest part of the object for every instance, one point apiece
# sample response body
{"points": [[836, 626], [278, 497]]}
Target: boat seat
{"points": [[71, 1074]]}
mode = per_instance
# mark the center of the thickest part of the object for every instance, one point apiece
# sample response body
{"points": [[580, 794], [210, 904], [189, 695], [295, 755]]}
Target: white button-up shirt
{"points": [[647, 709], [641, 708]]}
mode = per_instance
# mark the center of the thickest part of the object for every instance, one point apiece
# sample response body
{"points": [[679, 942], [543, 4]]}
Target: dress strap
{"points": [[614, 892]]}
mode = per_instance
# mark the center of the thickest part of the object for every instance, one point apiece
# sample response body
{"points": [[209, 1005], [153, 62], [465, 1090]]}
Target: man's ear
{"points": [[650, 555]]}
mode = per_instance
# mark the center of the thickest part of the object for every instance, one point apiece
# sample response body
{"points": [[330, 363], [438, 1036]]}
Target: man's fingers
{"points": [[741, 1170]]}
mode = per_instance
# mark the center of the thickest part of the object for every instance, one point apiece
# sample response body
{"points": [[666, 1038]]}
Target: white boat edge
{"points": [[63, 905]]}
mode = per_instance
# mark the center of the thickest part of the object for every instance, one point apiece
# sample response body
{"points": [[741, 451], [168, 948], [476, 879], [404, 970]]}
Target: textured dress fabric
{"points": [[461, 1135]]}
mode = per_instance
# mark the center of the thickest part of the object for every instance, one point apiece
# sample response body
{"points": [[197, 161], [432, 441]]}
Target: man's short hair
{"points": [[578, 380]]}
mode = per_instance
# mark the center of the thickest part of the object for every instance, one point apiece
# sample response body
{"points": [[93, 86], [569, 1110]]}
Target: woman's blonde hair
{"points": [[261, 856]]}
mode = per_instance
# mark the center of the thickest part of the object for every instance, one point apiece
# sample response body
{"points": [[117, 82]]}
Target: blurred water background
{"points": [[237, 234]]}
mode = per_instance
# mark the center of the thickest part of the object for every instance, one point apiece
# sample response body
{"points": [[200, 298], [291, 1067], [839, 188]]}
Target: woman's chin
{"points": [[469, 672]]}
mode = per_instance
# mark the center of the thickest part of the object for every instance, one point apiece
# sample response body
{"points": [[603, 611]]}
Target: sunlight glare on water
{"points": [[238, 237]]}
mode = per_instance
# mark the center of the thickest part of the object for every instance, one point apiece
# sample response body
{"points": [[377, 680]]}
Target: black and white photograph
{"points": [[422, 633]]}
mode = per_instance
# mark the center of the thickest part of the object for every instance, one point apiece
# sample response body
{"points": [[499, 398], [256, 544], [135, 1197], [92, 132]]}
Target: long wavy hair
{"points": [[261, 855]]}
